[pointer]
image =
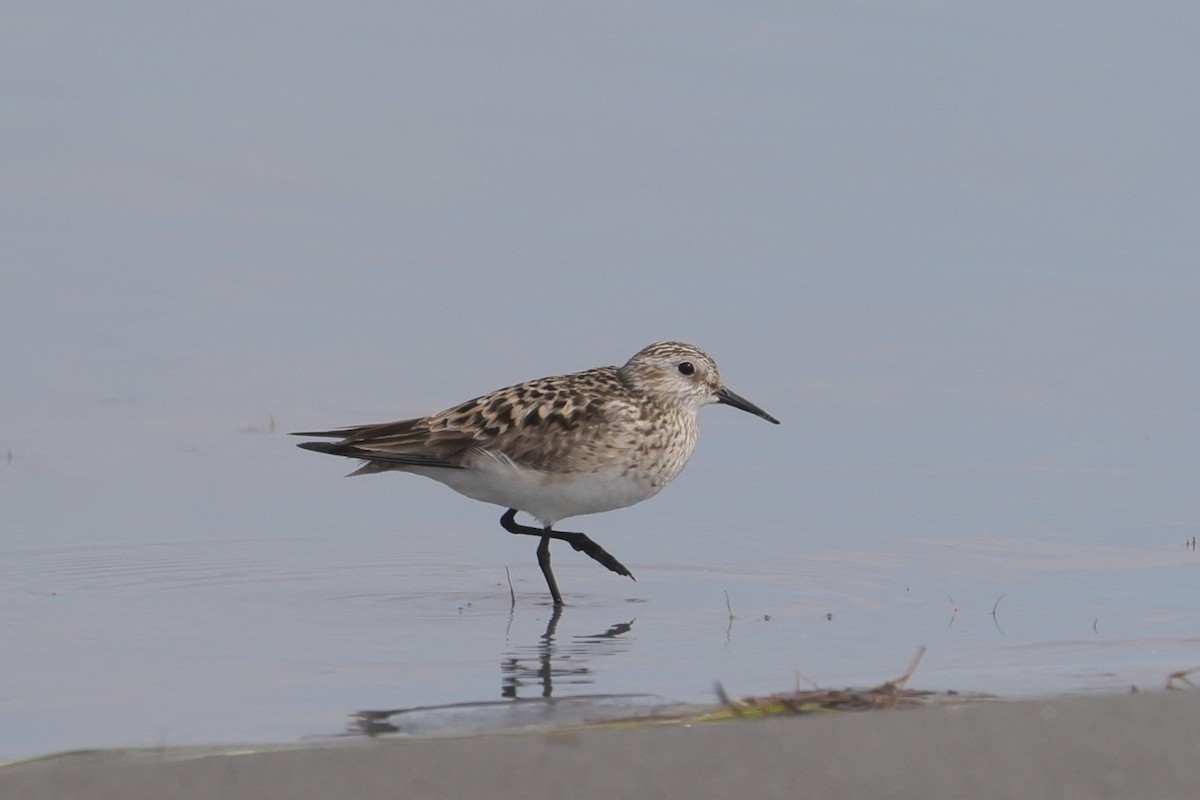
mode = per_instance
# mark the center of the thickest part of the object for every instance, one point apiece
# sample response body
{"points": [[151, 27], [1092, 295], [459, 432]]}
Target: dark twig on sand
{"points": [[1182, 677]]}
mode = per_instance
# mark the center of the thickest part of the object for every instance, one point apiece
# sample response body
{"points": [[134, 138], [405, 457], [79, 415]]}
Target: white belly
{"points": [[547, 496]]}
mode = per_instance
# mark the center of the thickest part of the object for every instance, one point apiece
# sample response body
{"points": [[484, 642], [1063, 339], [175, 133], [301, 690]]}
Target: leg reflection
{"points": [[548, 662]]}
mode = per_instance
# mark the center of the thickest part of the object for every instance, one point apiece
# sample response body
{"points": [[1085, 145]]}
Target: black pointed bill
{"points": [[734, 399]]}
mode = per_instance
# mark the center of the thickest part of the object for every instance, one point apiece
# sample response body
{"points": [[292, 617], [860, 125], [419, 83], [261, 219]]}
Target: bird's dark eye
{"points": [[686, 367]]}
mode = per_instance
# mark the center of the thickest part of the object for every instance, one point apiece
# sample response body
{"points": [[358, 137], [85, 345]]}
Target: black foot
{"points": [[583, 544]]}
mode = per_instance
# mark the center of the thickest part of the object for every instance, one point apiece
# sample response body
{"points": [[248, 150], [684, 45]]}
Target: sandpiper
{"points": [[557, 447]]}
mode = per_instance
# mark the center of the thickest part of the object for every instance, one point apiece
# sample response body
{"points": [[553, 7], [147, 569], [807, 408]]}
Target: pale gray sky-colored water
{"points": [[953, 246]]}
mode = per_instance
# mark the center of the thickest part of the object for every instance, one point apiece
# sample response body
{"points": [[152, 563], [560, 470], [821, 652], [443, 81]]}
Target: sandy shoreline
{"points": [[1137, 746]]}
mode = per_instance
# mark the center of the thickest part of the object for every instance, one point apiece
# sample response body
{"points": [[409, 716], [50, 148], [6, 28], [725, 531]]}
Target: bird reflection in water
{"points": [[539, 667], [548, 661]]}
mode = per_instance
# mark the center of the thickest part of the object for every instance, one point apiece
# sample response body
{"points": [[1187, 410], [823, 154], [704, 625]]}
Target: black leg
{"points": [[579, 541], [543, 552]]}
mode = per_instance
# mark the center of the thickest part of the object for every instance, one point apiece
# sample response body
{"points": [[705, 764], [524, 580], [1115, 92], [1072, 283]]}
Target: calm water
{"points": [[255, 596], [951, 248]]}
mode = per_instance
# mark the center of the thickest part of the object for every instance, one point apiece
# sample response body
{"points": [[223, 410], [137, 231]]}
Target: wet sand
{"points": [[1132, 746]]}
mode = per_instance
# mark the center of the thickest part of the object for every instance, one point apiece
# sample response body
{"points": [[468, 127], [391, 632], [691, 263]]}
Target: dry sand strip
{"points": [[1144, 745]]}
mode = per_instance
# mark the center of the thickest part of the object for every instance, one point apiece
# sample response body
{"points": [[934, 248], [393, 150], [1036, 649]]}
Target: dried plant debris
{"points": [[891, 694]]}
